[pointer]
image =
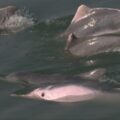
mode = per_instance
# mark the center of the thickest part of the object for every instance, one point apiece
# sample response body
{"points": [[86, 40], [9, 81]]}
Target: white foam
{"points": [[17, 23]]}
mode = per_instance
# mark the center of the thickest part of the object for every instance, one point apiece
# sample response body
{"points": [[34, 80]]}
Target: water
{"points": [[39, 49]]}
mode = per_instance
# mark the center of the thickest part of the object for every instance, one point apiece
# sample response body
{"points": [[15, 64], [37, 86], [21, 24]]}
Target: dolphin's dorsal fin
{"points": [[81, 11]]}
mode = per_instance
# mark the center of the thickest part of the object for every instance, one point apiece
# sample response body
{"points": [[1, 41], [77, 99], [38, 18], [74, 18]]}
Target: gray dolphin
{"points": [[30, 78], [93, 31], [61, 88], [95, 45], [5, 13]]}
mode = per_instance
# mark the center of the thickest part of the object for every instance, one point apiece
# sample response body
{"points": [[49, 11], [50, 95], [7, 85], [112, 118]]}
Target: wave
{"points": [[18, 22]]}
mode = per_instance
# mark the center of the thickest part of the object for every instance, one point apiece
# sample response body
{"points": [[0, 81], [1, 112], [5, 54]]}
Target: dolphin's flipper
{"points": [[81, 11]]}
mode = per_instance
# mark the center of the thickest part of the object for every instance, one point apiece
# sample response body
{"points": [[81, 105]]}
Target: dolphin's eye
{"points": [[42, 94]]}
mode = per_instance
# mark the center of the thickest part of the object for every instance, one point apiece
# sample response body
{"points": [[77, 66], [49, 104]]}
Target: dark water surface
{"points": [[39, 49]]}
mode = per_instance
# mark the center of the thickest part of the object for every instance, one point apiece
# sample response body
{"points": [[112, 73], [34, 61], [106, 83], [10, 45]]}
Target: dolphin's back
{"points": [[97, 20]]}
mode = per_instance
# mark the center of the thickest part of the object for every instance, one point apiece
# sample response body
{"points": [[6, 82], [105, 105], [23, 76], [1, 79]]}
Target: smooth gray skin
{"points": [[81, 11], [29, 78], [101, 24], [107, 22], [95, 45], [6, 12]]}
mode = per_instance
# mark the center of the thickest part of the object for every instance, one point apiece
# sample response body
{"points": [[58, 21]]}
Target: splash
{"points": [[18, 22]]}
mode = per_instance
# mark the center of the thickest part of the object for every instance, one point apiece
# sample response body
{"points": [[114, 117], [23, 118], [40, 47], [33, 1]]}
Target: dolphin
{"points": [[6, 13], [61, 88], [30, 78], [95, 45], [58, 93], [93, 31], [67, 92]]}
